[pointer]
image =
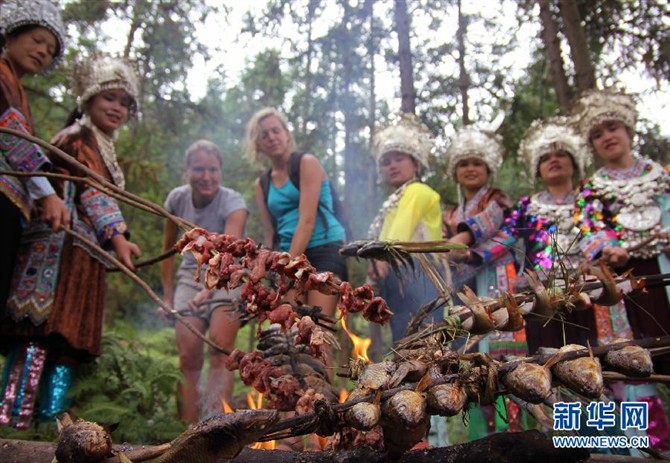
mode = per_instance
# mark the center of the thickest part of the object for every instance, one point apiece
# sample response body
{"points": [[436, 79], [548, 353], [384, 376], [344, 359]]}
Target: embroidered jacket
{"points": [[17, 153], [483, 216], [96, 210], [547, 230], [624, 207]]}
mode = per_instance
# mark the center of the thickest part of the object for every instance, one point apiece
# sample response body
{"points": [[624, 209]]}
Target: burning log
{"points": [[520, 447]]}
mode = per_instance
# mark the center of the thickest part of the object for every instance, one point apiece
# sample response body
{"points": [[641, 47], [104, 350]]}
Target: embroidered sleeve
{"points": [[593, 218], [495, 247], [105, 215], [485, 224], [21, 155]]}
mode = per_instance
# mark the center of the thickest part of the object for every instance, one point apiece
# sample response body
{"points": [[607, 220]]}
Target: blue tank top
{"points": [[283, 203]]}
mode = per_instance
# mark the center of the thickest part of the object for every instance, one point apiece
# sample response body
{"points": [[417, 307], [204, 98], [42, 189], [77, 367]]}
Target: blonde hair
{"points": [[253, 133], [204, 146]]}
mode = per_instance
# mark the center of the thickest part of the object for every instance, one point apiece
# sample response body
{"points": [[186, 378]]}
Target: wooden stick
{"points": [[147, 289], [69, 160], [89, 181], [140, 454], [148, 262], [613, 376]]}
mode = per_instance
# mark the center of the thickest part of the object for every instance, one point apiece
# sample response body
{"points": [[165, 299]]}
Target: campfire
{"points": [[390, 407]]}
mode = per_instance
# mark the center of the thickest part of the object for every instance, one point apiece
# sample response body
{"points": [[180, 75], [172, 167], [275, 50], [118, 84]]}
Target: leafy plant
{"points": [[132, 383]]}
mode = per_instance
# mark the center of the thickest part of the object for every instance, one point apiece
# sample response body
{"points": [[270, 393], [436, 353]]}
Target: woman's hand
{"points": [[124, 250], [196, 305], [378, 269], [53, 212], [459, 255], [464, 237], [162, 313], [615, 256]]}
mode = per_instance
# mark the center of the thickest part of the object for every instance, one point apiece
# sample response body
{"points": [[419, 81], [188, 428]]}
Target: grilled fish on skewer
{"points": [[404, 421], [446, 399], [631, 361], [363, 415], [529, 381], [583, 375]]}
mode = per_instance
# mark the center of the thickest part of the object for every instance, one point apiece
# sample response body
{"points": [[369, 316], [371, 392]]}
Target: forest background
{"points": [[338, 69]]}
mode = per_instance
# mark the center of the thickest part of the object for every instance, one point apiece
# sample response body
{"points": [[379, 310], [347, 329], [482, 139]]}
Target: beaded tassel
{"points": [[33, 372], [14, 364], [56, 383], [22, 384]]}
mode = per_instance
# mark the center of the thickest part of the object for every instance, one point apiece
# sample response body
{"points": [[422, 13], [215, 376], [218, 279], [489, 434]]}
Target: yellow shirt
{"points": [[416, 217]]}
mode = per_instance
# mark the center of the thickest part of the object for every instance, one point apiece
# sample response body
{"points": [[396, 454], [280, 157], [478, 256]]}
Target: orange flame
{"points": [[256, 404], [360, 350], [269, 445], [344, 395], [323, 441], [225, 407]]}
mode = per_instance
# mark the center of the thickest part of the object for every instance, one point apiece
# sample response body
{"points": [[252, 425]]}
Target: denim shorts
{"points": [[326, 258], [186, 289]]}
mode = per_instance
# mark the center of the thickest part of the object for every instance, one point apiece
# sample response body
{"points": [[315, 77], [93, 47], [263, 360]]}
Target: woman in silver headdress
{"points": [[623, 208], [624, 212], [57, 301], [553, 151], [474, 156], [32, 39], [411, 213]]}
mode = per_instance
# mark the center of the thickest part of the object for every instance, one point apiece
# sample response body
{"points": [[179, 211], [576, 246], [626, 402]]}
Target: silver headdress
{"points": [[104, 72], [545, 136], [407, 134], [470, 142], [15, 14], [597, 106]]}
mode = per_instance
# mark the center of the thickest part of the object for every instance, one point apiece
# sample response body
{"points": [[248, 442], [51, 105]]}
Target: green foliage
{"points": [[132, 383]]}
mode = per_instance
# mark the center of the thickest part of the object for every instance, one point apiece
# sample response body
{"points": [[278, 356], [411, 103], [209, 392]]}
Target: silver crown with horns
{"points": [[45, 13], [105, 72], [471, 142], [549, 135], [407, 134]]}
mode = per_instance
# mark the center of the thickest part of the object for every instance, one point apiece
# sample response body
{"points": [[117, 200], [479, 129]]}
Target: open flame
{"points": [[256, 404], [225, 407], [344, 395], [360, 350]]}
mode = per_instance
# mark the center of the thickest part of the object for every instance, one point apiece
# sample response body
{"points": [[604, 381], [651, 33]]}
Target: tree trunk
{"points": [[579, 50], [553, 45], [311, 9], [516, 447], [407, 92], [348, 106], [463, 78]]}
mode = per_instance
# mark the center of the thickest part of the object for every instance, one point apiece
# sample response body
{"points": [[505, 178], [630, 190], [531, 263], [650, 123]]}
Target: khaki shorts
{"points": [[187, 289]]}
